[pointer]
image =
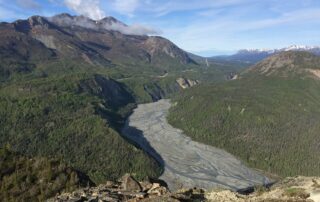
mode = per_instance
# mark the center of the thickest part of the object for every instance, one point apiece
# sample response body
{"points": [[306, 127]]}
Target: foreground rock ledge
{"points": [[295, 189], [129, 189]]}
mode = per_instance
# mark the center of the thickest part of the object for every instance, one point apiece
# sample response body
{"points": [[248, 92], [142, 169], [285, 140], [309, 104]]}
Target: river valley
{"points": [[186, 163]]}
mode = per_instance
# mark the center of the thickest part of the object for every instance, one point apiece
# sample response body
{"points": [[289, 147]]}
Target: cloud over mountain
{"points": [[107, 23], [90, 8]]}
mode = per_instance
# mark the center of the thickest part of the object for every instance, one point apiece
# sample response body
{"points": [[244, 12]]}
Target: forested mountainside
{"points": [[76, 118], [269, 116]]}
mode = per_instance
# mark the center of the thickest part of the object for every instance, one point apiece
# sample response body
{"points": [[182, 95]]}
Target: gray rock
{"points": [[141, 195], [130, 184], [93, 199]]}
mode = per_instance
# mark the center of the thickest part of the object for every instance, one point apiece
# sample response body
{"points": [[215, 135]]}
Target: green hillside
{"points": [[23, 178], [271, 121]]}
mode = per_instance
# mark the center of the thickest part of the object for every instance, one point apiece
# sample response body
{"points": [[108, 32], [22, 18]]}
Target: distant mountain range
{"points": [[252, 56]]}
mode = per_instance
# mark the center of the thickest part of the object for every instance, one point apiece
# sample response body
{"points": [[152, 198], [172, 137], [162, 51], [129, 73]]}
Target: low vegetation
{"points": [[296, 192]]}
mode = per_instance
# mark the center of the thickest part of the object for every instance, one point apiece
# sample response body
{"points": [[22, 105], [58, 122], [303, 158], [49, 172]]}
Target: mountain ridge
{"points": [[288, 63], [94, 42], [252, 56], [289, 48]]}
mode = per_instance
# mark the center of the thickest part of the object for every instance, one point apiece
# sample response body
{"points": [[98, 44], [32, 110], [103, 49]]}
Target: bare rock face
{"points": [[186, 83], [157, 46]]}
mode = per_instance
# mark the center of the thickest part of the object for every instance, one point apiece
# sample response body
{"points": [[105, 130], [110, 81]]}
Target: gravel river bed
{"points": [[186, 163]]}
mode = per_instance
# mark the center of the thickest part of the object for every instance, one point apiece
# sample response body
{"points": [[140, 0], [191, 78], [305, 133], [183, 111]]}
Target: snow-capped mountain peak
{"points": [[300, 47], [289, 48], [252, 56]]}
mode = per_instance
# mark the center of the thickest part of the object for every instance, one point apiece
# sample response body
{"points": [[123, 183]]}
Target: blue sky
{"points": [[205, 27]]}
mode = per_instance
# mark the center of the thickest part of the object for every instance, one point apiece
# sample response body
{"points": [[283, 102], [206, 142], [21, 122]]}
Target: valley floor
{"points": [[186, 163]]}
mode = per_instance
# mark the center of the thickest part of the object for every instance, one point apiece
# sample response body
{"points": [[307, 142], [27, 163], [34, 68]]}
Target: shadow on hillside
{"points": [[135, 137]]}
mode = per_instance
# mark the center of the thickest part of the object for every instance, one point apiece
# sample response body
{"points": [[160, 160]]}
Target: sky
{"points": [[204, 27]]}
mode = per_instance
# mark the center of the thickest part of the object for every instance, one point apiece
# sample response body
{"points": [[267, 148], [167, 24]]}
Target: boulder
{"points": [[157, 189], [146, 186], [140, 195], [128, 183], [109, 184]]}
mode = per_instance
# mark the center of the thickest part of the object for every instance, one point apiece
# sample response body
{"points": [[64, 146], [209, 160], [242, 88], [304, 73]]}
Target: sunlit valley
{"points": [[159, 101]]}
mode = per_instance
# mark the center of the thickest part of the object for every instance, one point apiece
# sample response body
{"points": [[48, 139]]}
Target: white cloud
{"points": [[162, 8], [126, 7], [134, 29], [28, 4], [89, 8]]}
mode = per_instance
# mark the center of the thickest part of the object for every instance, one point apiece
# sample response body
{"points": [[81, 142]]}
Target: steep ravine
{"points": [[186, 163]]}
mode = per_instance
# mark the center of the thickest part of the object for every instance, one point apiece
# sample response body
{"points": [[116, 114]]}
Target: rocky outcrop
{"points": [[186, 83], [294, 189], [128, 189], [314, 72], [232, 76]]}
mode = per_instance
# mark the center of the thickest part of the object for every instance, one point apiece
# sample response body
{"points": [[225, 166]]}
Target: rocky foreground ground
{"points": [[295, 189]]}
